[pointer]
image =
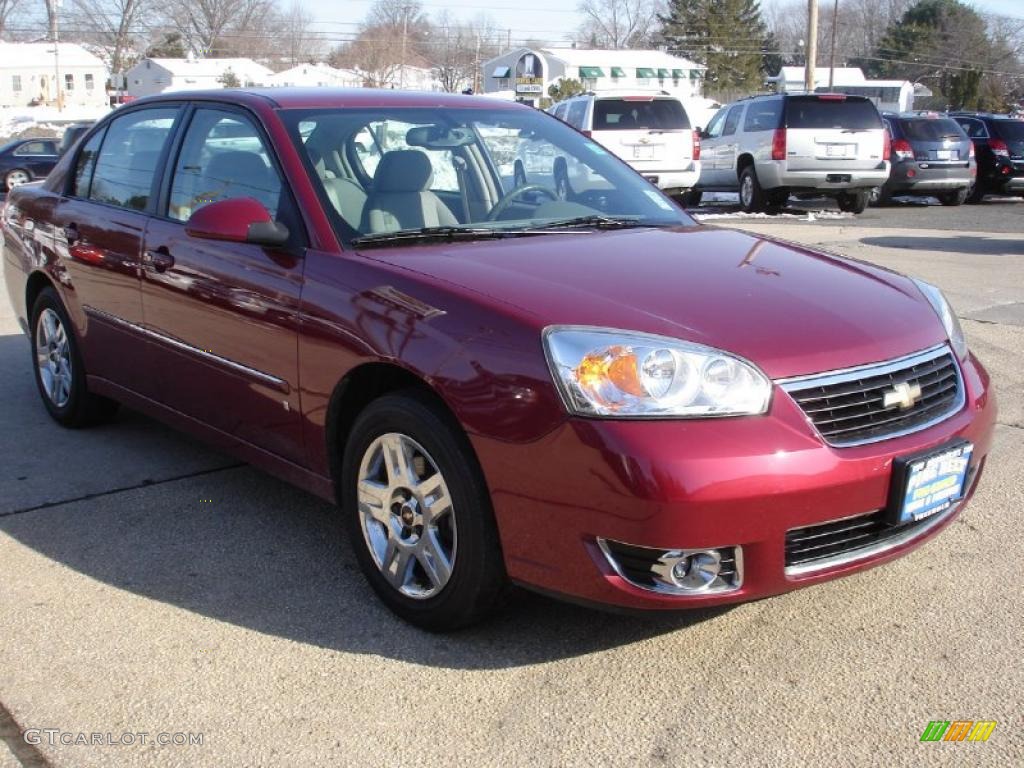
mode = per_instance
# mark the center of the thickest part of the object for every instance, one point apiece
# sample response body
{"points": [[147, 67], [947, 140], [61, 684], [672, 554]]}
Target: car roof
{"points": [[320, 97]]}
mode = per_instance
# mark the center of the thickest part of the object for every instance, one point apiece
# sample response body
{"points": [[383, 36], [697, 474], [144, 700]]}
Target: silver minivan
{"points": [[769, 147]]}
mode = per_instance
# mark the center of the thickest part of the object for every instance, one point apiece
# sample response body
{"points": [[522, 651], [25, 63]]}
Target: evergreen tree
{"points": [[729, 37]]}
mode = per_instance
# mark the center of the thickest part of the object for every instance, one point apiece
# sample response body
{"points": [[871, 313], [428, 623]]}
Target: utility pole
{"points": [[832, 52], [812, 45]]}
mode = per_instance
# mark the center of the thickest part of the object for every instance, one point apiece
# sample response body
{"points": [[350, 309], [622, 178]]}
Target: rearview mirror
{"points": [[237, 220]]}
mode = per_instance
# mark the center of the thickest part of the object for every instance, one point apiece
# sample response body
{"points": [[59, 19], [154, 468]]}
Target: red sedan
{"points": [[576, 388]]}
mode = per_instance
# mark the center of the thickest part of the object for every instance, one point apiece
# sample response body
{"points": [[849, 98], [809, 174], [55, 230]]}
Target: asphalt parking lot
{"points": [[149, 585]]}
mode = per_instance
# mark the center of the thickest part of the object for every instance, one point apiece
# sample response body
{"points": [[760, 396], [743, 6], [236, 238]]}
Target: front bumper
{"points": [[688, 485]]}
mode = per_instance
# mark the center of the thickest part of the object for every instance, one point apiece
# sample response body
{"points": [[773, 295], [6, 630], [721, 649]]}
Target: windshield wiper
{"points": [[598, 221], [427, 234]]}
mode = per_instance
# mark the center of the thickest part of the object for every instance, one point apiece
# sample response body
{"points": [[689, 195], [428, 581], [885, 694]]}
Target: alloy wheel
{"points": [[406, 515], [53, 357], [17, 178], [747, 191]]}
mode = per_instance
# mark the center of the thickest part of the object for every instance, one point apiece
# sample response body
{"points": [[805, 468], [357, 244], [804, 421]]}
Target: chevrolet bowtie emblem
{"points": [[902, 396]]}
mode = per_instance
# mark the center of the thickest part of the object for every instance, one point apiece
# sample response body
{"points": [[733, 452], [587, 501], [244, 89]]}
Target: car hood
{"points": [[789, 309]]}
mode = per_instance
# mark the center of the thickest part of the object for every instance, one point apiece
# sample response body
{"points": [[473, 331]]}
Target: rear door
{"points": [[651, 133], [224, 316], [37, 156], [832, 132], [99, 225], [728, 148], [710, 138]]}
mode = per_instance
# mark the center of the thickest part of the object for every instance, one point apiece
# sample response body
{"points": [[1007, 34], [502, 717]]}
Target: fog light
{"points": [[697, 570]]}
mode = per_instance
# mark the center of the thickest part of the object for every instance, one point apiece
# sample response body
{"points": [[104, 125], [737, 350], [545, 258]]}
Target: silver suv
{"points": [[769, 147]]}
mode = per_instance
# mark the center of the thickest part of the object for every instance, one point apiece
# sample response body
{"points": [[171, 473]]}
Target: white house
{"points": [[529, 72], [317, 75], [151, 76], [37, 73], [888, 95]]}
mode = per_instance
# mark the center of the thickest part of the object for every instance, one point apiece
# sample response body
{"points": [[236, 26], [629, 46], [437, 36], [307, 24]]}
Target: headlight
{"points": [[604, 372], [946, 315]]}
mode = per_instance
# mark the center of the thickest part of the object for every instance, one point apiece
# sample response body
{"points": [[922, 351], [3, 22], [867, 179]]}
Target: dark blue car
{"points": [[25, 160]]}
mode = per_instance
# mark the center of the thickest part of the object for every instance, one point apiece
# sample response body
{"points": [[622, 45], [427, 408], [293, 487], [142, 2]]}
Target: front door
{"points": [[99, 226], [225, 315]]}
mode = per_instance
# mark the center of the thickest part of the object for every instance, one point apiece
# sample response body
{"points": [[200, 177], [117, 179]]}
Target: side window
{"points": [[560, 111], [222, 157], [127, 162], [35, 148], [85, 165], [733, 120], [576, 114], [763, 115], [714, 129], [973, 128]]}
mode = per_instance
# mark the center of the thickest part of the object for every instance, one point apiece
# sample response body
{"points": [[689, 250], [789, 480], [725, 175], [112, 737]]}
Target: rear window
{"points": [[813, 112], [1010, 130], [932, 129], [624, 115]]}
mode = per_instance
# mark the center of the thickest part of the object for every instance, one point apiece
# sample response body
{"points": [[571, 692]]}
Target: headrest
{"points": [[403, 170], [237, 165]]}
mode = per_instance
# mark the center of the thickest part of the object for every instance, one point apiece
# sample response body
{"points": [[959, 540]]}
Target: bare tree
{"points": [[460, 48], [7, 11], [112, 25], [618, 23], [222, 27], [299, 42]]}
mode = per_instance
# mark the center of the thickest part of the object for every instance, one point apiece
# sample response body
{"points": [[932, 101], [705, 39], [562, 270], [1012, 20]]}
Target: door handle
{"points": [[71, 234], [160, 259]]}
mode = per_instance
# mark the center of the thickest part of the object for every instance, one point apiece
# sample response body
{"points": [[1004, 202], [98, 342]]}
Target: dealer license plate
{"points": [[943, 154], [932, 483]]}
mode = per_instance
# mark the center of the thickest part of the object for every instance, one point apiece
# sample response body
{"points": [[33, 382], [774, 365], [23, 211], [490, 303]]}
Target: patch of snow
{"points": [[807, 216], [16, 119]]}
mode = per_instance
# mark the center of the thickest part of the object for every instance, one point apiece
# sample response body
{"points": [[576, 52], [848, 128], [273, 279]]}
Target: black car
{"points": [[931, 156], [73, 133], [24, 160], [999, 146]]}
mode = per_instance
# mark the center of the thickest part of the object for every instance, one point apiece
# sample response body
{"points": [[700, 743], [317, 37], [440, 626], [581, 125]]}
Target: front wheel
{"points": [[954, 196], [59, 373], [853, 202], [419, 515], [751, 195]]}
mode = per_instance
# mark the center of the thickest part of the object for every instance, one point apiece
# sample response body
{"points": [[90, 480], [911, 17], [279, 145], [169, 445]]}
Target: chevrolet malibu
{"points": [[589, 395]]}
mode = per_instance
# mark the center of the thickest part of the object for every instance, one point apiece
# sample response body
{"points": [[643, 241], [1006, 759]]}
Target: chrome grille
{"points": [[848, 407]]}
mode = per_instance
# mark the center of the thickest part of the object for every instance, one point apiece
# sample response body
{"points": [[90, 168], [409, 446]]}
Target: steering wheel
{"points": [[512, 194]]}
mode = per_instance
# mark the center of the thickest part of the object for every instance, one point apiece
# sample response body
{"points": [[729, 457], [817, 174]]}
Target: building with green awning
{"points": [[644, 73], [590, 73]]}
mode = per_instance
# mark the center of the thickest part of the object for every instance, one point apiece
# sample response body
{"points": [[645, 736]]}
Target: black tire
{"points": [[880, 196], [81, 408], [563, 189], [692, 198], [777, 199], [10, 176], [752, 197], [477, 583], [853, 202], [518, 176], [975, 194], [954, 196]]}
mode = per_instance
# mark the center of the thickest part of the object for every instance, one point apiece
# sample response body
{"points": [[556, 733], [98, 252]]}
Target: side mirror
{"points": [[237, 220]]}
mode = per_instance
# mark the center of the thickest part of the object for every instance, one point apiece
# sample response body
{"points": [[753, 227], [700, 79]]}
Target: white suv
{"points": [[768, 147], [650, 131]]}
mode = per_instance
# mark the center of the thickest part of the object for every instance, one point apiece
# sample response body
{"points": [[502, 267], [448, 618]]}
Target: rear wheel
{"points": [[752, 198], [15, 178], [419, 515], [692, 198], [880, 196], [563, 190], [853, 202], [59, 373], [954, 196], [519, 175], [975, 194]]}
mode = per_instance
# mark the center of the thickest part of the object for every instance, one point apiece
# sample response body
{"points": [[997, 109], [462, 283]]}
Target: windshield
{"points": [[932, 129], [631, 114], [475, 172], [1010, 130], [831, 112]]}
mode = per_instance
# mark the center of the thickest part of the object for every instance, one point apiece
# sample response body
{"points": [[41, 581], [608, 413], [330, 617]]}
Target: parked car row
{"points": [[769, 148]]}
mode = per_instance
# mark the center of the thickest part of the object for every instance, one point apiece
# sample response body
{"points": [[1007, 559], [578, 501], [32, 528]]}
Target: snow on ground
{"points": [[804, 216], [14, 120]]}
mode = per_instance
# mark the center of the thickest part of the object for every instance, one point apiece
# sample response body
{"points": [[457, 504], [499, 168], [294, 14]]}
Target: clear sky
{"points": [[550, 20]]}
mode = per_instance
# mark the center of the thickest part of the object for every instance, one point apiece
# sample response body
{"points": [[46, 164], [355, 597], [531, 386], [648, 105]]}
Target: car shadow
{"points": [[233, 544], [971, 244]]}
